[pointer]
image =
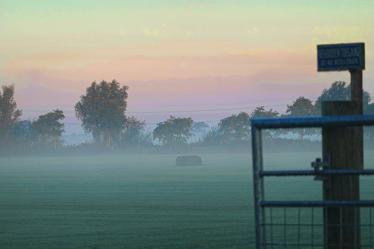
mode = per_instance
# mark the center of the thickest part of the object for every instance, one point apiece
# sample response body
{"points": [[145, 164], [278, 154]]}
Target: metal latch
{"points": [[319, 166]]}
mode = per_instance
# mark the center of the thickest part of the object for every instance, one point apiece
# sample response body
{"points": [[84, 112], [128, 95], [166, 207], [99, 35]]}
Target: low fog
{"points": [[121, 182]]}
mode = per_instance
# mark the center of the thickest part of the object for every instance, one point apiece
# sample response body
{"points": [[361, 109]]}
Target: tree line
{"points": [[102, 112], [43, 132]]}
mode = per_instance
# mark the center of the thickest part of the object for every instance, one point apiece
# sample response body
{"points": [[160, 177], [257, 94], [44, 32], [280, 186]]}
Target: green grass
{"points": [[138, 201]]}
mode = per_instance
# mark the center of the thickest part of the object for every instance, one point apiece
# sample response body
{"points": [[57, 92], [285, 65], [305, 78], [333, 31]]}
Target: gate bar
{"points": [[324, 172], [313, 121], [258, 186], [291, 204]]}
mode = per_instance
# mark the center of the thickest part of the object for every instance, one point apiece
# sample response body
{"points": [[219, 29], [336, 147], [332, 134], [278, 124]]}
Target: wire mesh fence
{"points": [[304, 227]]}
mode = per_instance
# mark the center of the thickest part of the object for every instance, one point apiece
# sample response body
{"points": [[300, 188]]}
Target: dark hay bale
{"points": [[189, 160]]}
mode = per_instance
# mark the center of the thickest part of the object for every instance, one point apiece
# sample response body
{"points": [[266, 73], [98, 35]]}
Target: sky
{"points": [[205, 59]]}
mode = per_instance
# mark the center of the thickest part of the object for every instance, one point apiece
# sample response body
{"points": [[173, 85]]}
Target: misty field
{"points": [[140, 201]]}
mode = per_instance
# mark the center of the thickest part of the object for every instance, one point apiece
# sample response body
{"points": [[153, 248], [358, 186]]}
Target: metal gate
{"points": [[299, 224]]}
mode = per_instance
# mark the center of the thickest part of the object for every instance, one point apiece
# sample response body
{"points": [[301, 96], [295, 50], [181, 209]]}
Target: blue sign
{"points": [[339, 57]]}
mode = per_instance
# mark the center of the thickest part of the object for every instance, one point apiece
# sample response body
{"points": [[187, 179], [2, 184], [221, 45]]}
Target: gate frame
{"points": [[259, 124]]}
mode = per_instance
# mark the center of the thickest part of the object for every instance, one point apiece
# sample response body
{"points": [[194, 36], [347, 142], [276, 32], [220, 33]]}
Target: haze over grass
{"points": [[143, 201]]}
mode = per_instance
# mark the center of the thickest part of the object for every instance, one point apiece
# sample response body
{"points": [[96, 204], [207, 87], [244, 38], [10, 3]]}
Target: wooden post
{"points": [[343, 148], [357, 90]]}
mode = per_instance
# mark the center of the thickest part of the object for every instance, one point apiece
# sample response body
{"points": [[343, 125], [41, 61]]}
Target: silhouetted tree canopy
{"points": [[23, 133], [339, 90], [48, 128], [133, 132], [9, 114], [102, 110], [301, 107], [261, 112], [174, 131], [200, 126], [235, 128], [369, 131]]}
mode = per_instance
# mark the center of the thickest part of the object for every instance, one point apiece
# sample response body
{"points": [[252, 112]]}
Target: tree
{"points": [[200, 127], [212, 137], [23, 135], [261, 112], [369, 131], [102, 110], [302, 107], [235, 128], [47, 129], [339, 90], [133, 132], [174, 131], [9, 114]]}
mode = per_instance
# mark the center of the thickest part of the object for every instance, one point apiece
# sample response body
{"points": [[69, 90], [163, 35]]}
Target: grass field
{"points": [[140, 201]]}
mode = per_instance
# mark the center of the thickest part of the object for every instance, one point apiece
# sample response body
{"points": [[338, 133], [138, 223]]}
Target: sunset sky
{"points": [[204, 59]]}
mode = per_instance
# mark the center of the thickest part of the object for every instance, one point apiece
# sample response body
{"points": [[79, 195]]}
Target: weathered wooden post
{"points": [[343, 147]]}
